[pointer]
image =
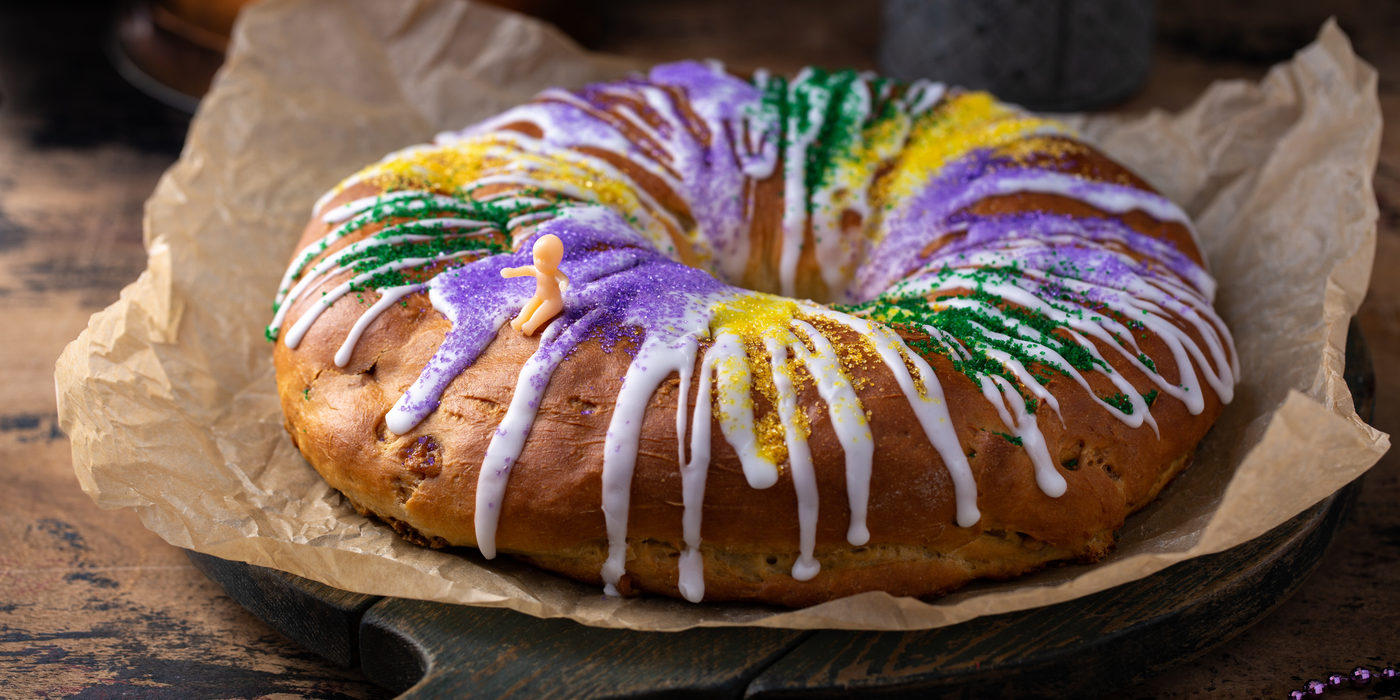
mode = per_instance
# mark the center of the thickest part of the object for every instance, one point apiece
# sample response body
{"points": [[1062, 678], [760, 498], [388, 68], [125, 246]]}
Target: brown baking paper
{"points": [[169, 397]]}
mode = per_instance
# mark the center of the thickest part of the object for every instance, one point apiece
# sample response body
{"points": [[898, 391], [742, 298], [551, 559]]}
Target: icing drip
{"points": [[838, 128], [387, 298], [804, 477], [694, 471], [1022, 425], [927, 402], [653, 364], [509, 438], [882, 179], [761, 127], [847, 419], [807, 107]]}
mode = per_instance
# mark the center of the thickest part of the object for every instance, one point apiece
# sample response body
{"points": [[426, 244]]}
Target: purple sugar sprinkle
{"points": [[961, 183]]}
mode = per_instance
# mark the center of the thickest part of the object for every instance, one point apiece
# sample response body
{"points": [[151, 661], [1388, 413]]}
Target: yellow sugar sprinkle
{"points": [[963, 124], [1027, 149], [753, 316], [878, 144], [734, 393]]}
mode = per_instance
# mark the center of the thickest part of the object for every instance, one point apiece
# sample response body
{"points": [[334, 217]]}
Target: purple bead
{"points": [[1316, 687], [1361, 676], [1297, 695], [1336, 680], [1388, 673]]}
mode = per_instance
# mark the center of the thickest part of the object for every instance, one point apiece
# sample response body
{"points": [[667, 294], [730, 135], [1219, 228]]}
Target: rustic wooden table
{"points": [[92, 605]]}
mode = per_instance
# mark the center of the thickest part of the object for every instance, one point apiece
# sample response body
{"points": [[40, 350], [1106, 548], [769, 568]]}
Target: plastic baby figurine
{"points": [[550, 284]]}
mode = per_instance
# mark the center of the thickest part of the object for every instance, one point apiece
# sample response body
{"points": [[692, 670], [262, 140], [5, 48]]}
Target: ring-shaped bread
{"points": [[1017, 350]]}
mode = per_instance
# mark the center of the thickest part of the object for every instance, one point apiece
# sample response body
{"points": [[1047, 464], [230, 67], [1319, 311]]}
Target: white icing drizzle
{"points": [[655, 362], [847, 419], [794, 177], [330, 265], [400, 420], [761, 132], [694, 472], [922, 95], [1136, 304], [804, 477], [674, 156], [1023, 425], [837, 253], [568, 166], [736, 410], [1105, 196], [929, 405], [509, 438], [388, 296], [358, 211], [1202, 307], [1035, 347], [846, 189], [520, 155], [344, 212], [303, 324]]}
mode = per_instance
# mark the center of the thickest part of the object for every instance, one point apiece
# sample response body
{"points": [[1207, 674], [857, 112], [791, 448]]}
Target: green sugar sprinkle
{"points": [[829, 107], [1121, 402], [427, 205], [371, 258], [1009, 438], [1147, 361], [1150, 396], [444, 241], [975, 327]]}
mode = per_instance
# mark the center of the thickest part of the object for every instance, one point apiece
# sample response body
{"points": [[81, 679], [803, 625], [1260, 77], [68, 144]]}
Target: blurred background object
{"points": [[1061, 56], [1260, 30], [170, 49], [1051, 55]]}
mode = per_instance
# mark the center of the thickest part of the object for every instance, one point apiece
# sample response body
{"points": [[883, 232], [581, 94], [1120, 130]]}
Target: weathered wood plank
{"points": [[323, 619], [496, 653]]}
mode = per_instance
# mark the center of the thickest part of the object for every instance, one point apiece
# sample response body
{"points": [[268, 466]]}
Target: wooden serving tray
{"points": [[1087, 647]]}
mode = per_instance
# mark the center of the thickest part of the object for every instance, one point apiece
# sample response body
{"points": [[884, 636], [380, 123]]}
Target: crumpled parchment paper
{"points": [[169, 397]]}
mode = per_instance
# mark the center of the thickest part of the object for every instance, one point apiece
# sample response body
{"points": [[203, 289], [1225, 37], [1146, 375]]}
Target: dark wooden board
{"points": [[1084, 648], [488, 652], [314, 615]]}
